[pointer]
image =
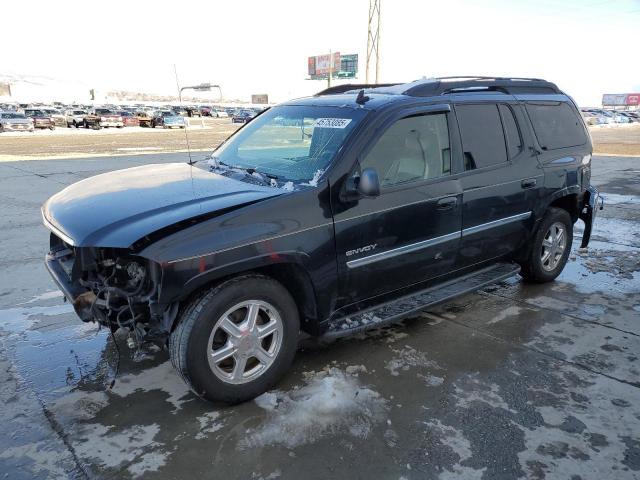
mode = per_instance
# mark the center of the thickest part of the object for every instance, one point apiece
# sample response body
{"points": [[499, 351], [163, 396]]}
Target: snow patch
{"points": [[330, 403], [316, 178], [407, 358], [288, 187], [208, 424]]}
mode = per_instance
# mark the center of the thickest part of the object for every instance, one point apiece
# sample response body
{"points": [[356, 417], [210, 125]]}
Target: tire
{"points": [[199, 329], [86, 124], [533, 268]]}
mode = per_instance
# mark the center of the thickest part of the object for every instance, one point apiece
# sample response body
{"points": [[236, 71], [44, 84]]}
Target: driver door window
{"points": [[414, 148]]}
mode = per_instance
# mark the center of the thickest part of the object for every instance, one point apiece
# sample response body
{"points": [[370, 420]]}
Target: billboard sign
{"points": [[614, 99], [633, 99], [320, 64], [260, 98], [344, 66]]}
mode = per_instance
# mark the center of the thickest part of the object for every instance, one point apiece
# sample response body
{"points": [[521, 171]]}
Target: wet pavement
{"points": [[515, 381]]}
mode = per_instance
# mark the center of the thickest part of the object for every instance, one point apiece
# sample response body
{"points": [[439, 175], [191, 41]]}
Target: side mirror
{"points": [[369, 185]]}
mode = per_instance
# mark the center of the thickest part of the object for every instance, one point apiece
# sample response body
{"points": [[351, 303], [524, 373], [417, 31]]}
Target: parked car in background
{"points": [[243, 116], [15, 122], [193, 111], [59, 118], [618, 117], [633, 117], [179, 111], [103, 118], [206, 111], [591, 118], [144, 117], [75, 118], [129, 119], [168, 119], [220, 114], [40, 118]]}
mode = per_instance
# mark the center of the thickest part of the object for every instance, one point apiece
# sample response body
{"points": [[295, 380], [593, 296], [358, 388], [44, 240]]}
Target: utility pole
{"points": [[373, 38]]}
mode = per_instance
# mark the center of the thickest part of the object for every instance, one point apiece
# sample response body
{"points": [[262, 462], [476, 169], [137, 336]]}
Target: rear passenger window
{"points": [[511, 132], [413, 148], [482, 138], [556, 125]]}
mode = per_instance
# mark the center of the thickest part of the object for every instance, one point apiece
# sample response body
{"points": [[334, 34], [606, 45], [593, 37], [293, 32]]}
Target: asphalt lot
{"points": [[516, 381]]}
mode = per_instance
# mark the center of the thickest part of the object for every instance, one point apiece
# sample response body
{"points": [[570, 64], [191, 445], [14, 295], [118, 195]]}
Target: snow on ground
{"points": [[331, 402]]}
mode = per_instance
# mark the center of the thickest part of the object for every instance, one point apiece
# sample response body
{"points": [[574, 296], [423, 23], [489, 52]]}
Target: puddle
{"points": [[614, 270], [612, 230], [617, 199]]}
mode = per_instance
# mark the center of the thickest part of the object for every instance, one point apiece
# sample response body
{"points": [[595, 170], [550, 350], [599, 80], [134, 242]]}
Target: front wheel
{"points": [[550, 247], [236, 340]]}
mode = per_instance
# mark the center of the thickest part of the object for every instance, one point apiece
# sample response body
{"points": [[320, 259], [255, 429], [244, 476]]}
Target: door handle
{"points": [[447, 203], [529, 183]]}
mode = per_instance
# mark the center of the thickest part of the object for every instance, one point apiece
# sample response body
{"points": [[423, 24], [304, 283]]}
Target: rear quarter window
{"points": [[556, 125]]}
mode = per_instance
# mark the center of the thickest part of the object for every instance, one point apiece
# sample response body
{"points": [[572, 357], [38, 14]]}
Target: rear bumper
{"points": [[591, 203]]}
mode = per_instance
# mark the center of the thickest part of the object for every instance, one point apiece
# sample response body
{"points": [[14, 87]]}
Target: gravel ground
{"points": [[515, 381], [69, 143]]}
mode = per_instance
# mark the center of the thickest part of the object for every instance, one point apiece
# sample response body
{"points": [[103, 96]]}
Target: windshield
{"points": [[290, 142], [12, 115]]}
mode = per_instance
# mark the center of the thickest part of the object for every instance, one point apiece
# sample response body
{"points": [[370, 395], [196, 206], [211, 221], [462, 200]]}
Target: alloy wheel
{"points": [[245, 341], [553, 246]]}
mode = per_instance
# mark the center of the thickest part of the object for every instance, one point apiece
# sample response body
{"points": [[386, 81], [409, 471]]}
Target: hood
{"points": [[115, 209]]}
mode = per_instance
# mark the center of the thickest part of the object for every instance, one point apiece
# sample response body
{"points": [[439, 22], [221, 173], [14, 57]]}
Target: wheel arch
{"points": [[287, 268], [570, 203]]}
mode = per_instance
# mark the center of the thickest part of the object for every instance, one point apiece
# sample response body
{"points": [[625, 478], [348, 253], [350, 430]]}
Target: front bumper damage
{"points": [[112, 287], [592, 202]]}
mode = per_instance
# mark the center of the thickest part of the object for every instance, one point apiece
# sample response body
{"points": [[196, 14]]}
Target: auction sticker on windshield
{"points": [[332, 122]]}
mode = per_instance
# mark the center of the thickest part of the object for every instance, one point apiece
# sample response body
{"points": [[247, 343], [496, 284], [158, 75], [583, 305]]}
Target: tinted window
{"points": [[512, 134], [482, 138], [556, 125], [413, 148]]}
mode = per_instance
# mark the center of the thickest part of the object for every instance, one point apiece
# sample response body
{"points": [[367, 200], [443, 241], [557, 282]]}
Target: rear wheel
{"points": [[550, 247], [236, 340]]}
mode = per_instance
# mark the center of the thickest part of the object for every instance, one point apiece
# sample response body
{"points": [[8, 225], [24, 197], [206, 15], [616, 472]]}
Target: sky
{"points": [[587, 47]]}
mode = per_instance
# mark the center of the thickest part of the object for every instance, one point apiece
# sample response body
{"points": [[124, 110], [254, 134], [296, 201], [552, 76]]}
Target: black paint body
{"points": [[198, 227]]}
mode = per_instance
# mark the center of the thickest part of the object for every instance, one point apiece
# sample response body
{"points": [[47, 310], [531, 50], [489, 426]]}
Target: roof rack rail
{"points": [[352, 86], [443, 85]]}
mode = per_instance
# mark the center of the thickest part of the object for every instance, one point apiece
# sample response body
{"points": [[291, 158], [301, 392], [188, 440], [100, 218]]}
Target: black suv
{"points": [[330, 214]]}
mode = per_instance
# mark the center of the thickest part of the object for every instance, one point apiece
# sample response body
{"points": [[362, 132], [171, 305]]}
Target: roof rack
{"points": [[443, 85], [352, 86]]}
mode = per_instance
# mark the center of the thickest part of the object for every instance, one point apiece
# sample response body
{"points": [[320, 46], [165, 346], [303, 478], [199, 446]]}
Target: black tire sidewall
{"points": [[206, 314], [534, 269]]}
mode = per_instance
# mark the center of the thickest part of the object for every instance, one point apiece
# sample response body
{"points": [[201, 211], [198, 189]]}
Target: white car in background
{"points": [[75, 118], [15, 122], [592, 118], [221, 114]]}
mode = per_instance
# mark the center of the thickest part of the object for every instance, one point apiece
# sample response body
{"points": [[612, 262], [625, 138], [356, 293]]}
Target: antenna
{"points": [[186, 135]]}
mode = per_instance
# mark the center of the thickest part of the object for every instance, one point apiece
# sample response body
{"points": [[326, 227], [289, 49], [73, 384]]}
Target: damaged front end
{"points": [[111, 286]]}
